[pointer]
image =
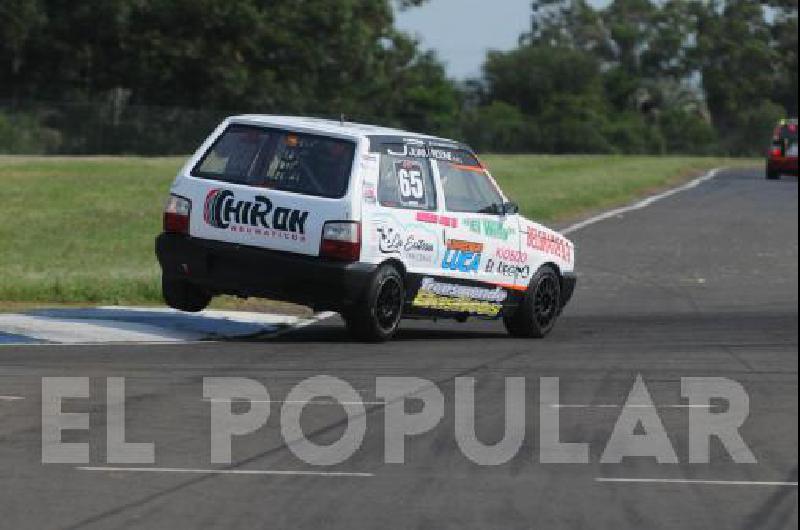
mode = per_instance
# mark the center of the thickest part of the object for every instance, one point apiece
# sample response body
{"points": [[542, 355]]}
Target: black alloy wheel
{"points": [[376, 316], [539, 309]]}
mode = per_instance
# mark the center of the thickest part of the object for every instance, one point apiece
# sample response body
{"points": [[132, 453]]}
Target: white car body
{"points": [[455, 263]]}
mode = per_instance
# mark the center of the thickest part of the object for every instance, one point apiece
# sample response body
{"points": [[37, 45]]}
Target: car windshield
{"points": [[281, 160]]}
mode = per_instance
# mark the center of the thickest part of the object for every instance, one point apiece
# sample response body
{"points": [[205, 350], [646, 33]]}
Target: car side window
{"points": [[467, 187], [406, 182]]}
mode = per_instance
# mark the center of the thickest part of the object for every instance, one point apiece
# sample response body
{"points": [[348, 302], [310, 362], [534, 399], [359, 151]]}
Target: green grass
{"points": [[81, 230]]}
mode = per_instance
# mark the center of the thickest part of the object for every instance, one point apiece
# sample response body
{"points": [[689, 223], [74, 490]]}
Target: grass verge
{"points": [[81, 229]]}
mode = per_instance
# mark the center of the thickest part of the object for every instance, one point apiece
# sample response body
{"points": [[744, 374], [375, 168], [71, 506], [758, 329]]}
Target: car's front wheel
{"points": [[539, 309], [182, 295], [376, 317]]}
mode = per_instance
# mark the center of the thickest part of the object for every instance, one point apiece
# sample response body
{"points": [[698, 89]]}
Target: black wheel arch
{"points": [[401, 268], [553, 266]]}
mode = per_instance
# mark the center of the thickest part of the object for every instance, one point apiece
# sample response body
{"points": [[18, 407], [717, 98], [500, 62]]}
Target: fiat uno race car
{"points": [[374, 223]]}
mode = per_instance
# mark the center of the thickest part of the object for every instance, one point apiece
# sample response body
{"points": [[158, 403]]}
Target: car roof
{"points": [[339, 128]]}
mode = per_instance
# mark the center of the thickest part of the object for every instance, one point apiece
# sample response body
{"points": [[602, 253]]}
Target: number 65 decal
{"points": [[412, 186]]}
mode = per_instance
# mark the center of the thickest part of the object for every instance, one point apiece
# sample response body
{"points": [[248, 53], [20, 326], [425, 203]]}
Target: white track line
{"points": [[11, 398], [641, 204], [115, 343], [302, 323], [632, 406], [298, 324], [695, 481], [225, 471]]}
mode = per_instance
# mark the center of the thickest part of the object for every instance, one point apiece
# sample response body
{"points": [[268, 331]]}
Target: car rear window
{"points": [[280, 160]]}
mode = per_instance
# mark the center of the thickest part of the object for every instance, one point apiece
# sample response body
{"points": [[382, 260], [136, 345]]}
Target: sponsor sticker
{"points": [[419, 248], [422, 151], [490, 228], [390, 241], [507, 254], [462, 256], [370, 193], [414, 242], [432, 218], [451, 297], [258, 216], [549, 243], [512, 270], [410, 183]]}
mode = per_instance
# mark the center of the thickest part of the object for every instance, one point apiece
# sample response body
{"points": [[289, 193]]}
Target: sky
{"points": [[462, 30]]}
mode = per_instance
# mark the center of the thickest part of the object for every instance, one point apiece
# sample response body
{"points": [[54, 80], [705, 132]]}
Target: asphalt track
{"points": [[703, 283]]}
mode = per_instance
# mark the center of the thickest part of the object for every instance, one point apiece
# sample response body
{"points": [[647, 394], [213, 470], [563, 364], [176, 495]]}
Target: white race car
{"points": [[374, 223]]}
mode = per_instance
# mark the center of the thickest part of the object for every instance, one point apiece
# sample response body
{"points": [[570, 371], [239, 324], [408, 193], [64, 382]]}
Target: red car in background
{"points": [[782, 156]]}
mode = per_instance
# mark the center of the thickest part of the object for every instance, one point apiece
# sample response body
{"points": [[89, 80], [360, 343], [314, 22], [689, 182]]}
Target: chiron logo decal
{"points": [[222, 210]]}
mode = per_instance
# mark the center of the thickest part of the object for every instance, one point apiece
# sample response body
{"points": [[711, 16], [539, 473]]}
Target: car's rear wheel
{"points": [[182, 295], [539, 309], [377, 315]]}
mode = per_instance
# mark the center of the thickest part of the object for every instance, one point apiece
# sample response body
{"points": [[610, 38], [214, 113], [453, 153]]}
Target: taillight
{"points": [[776, 152], [341, 241], [176, 215]]}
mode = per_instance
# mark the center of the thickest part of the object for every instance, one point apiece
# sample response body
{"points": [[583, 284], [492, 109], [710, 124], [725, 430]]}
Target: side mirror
{"points": [[510, 208]]}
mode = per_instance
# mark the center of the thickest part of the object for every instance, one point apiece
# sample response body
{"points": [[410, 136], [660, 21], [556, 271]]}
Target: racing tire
{"points": [[539, 309], [773, 175], [182, 295], [376, 317]]}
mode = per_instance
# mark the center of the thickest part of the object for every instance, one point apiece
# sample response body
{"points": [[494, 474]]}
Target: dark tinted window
{"points": [[281, 160]]}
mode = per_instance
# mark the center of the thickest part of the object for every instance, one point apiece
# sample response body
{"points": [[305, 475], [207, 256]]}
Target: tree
{"points": [[579, 78], [500, 128], [784, 33], [671, 76], [19, 21], [318, 57], [530, 76], [747, 73], [558, 91]]}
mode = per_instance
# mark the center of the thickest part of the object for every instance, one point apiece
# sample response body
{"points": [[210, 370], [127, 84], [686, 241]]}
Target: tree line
{"points": [[636, 76]]}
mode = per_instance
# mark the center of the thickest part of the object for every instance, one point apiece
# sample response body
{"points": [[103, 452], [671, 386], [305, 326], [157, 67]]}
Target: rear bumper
{"points": [[568, 281], [227, 268]]}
